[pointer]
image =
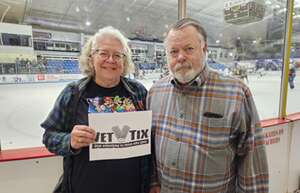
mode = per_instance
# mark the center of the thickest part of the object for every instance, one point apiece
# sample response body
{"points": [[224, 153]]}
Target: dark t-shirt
{"points": [[105, 176]]}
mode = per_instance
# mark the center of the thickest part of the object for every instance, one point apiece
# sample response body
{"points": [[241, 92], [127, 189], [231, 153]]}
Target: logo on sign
{"points": [[121, 134]]}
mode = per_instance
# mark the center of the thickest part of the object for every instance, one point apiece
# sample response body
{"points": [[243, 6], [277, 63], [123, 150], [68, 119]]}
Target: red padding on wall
{"points": [[42, 152], [24, 153]]}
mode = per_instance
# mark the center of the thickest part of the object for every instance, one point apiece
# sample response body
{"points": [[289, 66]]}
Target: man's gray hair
{"points": [[189, 22], [89, 47]]}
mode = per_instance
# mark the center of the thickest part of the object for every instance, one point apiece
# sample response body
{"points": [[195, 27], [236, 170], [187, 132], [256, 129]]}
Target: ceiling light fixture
{"points": [[77, 9], [276, 6], [87, 23]]}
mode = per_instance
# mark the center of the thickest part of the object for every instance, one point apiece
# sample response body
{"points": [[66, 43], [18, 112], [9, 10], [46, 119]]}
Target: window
{"points": [[253, 32], [16, 40]]}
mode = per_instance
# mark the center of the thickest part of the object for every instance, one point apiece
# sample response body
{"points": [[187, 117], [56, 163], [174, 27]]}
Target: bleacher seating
{"points": [[217, 66], [63, 66], [147, 66]]}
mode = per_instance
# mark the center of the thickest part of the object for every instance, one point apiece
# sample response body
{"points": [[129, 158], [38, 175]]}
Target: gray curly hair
{"points": [[84, 58]]}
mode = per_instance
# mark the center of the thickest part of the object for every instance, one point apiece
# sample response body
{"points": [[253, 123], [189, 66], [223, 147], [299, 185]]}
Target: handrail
{"points": [[286, 58]]}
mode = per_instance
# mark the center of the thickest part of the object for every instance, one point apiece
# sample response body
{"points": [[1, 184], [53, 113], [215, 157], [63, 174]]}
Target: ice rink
{"points": [[25, 106]]}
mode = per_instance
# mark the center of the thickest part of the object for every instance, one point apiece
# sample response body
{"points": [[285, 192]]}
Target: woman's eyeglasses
{"points": [[103, 54]]}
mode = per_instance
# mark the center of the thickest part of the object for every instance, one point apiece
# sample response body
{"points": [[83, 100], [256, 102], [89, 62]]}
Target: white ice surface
{"points": [[24, 106]]}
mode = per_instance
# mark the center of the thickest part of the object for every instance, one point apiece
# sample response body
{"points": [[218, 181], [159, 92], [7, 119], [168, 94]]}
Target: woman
{"points": [[105, 60]]}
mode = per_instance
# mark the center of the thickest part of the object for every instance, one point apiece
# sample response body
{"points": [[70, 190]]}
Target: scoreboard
{"points": [[244, 11]]}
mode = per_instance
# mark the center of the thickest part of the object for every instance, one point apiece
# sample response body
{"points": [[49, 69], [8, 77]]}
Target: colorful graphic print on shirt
{"points": [[110, 104]]}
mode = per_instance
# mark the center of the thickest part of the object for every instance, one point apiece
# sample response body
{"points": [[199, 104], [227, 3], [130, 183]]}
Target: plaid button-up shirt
{"points": [[207, 136]]}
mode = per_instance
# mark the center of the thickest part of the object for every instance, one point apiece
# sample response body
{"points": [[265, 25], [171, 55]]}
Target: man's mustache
{"points": [[180, 66]]}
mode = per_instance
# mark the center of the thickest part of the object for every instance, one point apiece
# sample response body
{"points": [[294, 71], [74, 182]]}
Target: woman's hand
{"points": [[155, 189], [82, 136]]}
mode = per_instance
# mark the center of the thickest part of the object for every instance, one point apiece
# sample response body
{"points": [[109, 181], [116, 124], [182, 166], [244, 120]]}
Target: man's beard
{"points": [[184, 72]]}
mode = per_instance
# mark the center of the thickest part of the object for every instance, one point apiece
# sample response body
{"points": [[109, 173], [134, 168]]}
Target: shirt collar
{"points": [[197, 81]]}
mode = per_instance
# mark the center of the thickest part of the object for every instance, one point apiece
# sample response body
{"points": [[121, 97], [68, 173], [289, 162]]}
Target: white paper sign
{"points": [[120, 135]]}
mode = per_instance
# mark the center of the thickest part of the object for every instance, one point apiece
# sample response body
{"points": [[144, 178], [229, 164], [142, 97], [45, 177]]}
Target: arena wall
{"points": [[37, 78], [36, 170]]}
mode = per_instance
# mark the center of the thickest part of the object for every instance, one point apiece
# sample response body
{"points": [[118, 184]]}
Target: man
{"points": [[207, 133]]}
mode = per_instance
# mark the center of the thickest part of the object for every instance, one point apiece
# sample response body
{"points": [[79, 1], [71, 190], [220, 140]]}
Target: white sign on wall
{"points": [[277, 144], [294, 170]]}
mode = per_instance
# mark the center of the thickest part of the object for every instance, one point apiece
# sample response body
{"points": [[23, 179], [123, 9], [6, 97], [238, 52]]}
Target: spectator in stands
{"points": [[34, 66], [27, 65], [105, 60], [23, 62], [18, 65], [44, 62], [244, 73], [292, 75], [206, 128]]}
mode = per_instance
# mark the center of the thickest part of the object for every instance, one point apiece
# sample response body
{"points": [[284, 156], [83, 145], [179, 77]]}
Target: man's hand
{"points": [[82, 136]]}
